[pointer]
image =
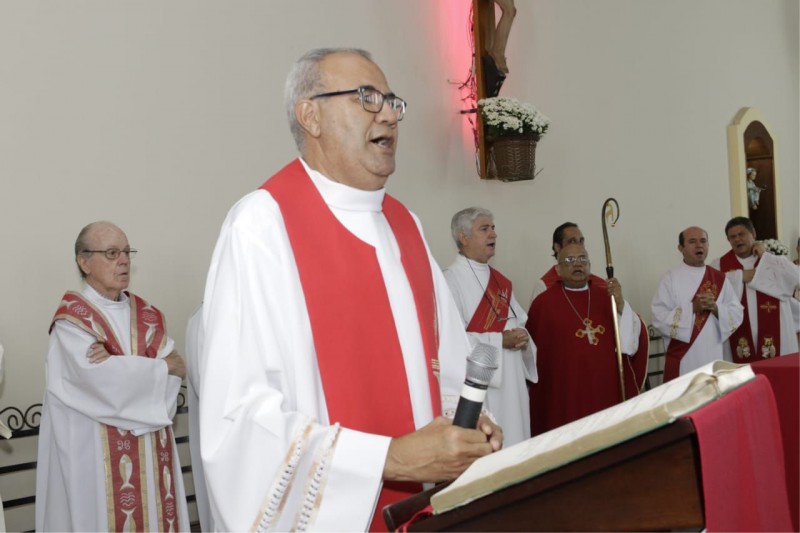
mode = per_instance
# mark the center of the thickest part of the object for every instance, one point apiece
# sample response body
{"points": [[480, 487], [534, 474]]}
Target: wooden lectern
{"points": [[651, 482]]}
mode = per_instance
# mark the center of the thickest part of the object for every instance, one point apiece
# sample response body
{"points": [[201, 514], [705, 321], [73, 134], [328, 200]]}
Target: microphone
{"points": [[481, 364]]}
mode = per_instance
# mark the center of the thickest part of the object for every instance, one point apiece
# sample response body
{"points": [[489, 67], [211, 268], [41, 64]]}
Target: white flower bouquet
{"points": [[504, 117], [775, 247]]}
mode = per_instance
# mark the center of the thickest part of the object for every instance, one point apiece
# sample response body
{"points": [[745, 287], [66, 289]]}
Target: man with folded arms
{"points": [[107, 454]]}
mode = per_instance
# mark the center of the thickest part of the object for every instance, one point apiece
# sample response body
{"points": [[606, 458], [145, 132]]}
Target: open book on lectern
{"points": [[640, 414]]}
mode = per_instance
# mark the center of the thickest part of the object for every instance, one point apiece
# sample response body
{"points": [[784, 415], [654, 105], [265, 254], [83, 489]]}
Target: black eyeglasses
{"points": [[372, 100], [113, 253]]}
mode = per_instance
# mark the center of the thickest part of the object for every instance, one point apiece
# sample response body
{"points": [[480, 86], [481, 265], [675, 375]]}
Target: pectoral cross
{"points": [[589, 332]]}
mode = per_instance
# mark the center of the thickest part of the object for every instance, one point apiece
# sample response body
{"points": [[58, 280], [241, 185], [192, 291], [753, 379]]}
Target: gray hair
{"points": [[305, 79], [463, 220], [81, 245]]}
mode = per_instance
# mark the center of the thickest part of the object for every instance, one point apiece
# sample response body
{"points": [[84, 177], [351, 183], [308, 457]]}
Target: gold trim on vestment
{"points": [[676, 320], [275, 498], [316, 480]]}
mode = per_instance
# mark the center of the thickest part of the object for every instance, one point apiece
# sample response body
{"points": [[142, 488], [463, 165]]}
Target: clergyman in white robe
{"points": [[673, 315], [777, 277], [507, 396], [127, 392], [194, 346], [263, 418]]}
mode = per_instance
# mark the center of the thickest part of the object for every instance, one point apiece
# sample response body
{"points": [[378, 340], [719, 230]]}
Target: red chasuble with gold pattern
{"points": [[125, 461], [362, 368], [634, 373], [769, 325], [492, 311], [712, 282], [576, 355]]}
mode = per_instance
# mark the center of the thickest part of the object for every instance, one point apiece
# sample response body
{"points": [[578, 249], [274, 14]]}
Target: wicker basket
{"points": [[515, 157]]}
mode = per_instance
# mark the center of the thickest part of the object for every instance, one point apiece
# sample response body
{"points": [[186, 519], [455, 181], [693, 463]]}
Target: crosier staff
{"points": [[609, 213]]}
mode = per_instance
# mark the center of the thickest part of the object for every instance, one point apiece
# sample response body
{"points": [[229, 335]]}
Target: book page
{"points": [[640, 414]]}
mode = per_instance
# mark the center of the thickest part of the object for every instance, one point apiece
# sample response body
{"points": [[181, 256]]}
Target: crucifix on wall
{"points": [[490, 37]]}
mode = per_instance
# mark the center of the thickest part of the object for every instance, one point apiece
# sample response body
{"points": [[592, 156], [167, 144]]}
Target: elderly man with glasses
{"points": [[572, 325], [107, 455], [491, 315], [332, 343]]}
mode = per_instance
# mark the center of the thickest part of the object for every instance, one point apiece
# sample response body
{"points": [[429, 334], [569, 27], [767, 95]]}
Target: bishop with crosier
{"points": [[573, 328]]}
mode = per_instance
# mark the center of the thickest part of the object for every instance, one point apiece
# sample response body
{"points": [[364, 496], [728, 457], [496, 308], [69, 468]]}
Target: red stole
{"points": [[712, 282], [769, 324], [362, 370], [492, 311], [550, 277], [125, 461]]}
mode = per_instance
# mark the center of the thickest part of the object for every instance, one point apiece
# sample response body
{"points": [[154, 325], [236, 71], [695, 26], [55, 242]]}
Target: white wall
{"points": [[159, 115]]}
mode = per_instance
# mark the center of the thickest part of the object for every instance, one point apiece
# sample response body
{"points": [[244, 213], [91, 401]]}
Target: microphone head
{"points": [[481, 364]]}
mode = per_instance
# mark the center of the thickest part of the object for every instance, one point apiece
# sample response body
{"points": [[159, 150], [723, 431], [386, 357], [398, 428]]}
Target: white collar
{"points": [[475, 265], [340, 196], [692, 268], [92, 294], [579, 289]]}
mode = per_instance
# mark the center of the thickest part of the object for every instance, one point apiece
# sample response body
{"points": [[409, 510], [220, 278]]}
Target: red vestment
{"points": [[635, 369], [355, 338], [769, 324], [712, 282], [492, 311], [576, 356]]}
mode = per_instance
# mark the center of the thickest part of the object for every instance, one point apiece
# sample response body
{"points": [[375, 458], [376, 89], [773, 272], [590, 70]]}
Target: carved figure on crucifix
{"points": [[496, 36]]}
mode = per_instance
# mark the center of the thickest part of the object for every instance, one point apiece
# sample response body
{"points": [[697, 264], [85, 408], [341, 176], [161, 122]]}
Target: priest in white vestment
{"points": [[324, 312], [194, 346], [695, 308], [492, 315], [107, 458], [765, 285]]}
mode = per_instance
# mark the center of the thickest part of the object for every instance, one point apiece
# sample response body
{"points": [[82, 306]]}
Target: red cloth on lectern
{"points": [[783, 374], [741, 459]]}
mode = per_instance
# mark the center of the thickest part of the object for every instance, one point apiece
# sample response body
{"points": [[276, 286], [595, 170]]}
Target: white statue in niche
{"points": [[753, 190]]}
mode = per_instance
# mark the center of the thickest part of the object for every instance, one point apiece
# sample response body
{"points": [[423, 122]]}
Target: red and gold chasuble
{"points": [[712, 282], [635, 373], [125, 461], [492, 311], [769, 324], [355, 337], [576, 356]]}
